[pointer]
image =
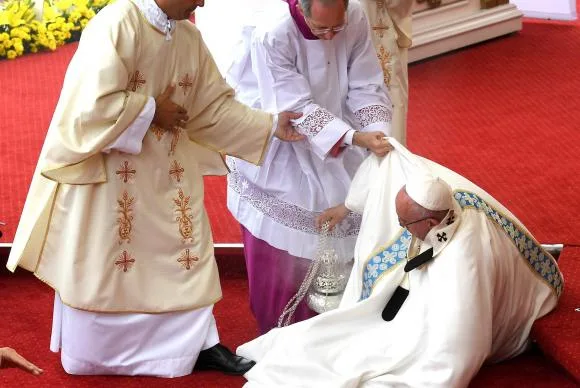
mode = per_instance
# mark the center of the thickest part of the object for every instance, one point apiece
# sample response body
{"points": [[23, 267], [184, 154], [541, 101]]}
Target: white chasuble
{"points": [[338, 86], [474, 302], [117, 232]]}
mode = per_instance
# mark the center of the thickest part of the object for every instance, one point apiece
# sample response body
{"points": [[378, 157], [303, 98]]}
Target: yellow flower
{"points": [[7, 43], [64, 4], [75, 16], [16, 12], [49, 12], [4, 37], [11, 54], [33, 49]]}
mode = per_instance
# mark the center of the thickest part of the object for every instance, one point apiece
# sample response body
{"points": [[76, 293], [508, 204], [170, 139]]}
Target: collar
{"points": [[156, 17], [300, 21], [440, 235]]}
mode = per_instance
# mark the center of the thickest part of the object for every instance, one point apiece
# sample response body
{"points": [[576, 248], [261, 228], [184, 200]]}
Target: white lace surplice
{"points": [[337, 85]]}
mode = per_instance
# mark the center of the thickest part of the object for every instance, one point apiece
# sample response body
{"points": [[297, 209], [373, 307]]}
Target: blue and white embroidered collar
{"points": [[156, 17]]}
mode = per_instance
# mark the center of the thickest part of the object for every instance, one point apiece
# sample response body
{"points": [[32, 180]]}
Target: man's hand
{"points": [[10, 359], [168, 114], [285, 130], [373, 141], [333, 216]]}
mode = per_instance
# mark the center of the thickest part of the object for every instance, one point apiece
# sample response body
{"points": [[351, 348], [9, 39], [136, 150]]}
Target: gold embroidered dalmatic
{"points": [[115, 232], [390, 22]]}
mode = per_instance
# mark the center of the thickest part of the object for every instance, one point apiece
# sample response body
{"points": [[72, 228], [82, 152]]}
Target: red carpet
{"points": [[559, 333], [503, 115]]}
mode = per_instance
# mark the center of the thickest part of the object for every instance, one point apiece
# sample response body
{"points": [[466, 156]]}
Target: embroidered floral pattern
{"points": [[136, 81], [126, 172], [185, 83], [315, 122], [372, 114], [187, 260], [380, 28], [125, 219], [383, 261], [124, 262], [536, 257], [286, 214], [175, 133], [176, 171], [184, 218], [157, 131], [385, 60]]}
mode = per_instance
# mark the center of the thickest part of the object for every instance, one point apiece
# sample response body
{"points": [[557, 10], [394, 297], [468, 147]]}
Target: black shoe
{"points": [[220, 358]]}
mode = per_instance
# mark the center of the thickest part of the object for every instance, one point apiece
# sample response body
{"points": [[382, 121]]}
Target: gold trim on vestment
{"points": [[188, 308]]}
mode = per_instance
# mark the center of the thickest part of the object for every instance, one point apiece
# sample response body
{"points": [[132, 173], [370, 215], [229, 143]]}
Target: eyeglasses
{"points": [[412, 222], [324, 31]]}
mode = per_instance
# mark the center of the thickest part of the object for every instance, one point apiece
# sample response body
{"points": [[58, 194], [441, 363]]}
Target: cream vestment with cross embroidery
{"points": [[116, 232]]}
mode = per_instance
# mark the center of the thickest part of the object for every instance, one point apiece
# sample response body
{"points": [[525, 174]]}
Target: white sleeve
{"points": [[282, 88], [131, 140], [368, 97], [348, 137]]}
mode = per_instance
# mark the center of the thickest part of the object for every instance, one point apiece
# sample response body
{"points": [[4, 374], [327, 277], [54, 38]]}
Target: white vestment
{"points": [[338, 86], [131, 344], [475, 302]]}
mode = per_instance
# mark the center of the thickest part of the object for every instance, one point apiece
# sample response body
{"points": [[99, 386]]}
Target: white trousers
{"points": [[163, 345]]}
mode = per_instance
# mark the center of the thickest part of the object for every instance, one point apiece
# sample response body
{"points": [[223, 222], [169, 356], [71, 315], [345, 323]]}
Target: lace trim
{"points": [[286, 214], [373, 114], [315, 122], [156, 16]]}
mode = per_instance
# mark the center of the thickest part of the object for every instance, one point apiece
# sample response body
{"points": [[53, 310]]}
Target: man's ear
{"points": [[432, 222]]}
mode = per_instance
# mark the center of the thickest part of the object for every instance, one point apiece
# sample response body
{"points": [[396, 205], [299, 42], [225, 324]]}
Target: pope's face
{"points": [[409, 218], [180, 9]]}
